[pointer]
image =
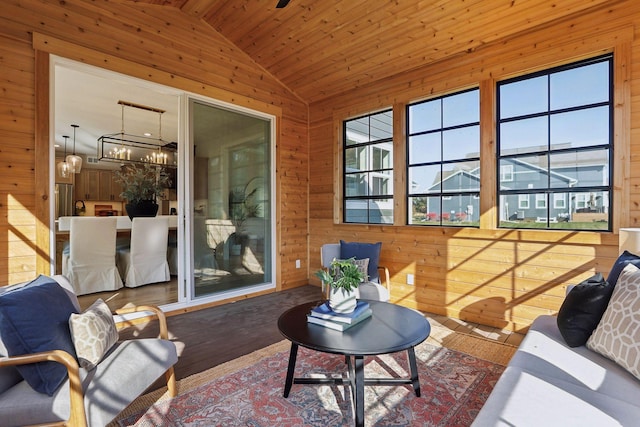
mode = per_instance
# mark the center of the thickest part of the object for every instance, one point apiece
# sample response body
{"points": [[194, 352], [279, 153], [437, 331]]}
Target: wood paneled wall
{"points": [[502, 278], [497, 277], [146, 41]]}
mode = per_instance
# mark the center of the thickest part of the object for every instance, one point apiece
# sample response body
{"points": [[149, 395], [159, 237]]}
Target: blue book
{"points": [[324, 312], [339, 326]]}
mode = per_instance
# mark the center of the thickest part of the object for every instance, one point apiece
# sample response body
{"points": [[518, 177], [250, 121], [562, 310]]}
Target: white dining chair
{"points": [[90, 264], [145, 260]]}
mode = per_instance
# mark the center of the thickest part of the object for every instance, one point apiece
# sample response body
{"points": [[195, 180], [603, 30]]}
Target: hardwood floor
{"points": [[154, 294], [211, 336]]}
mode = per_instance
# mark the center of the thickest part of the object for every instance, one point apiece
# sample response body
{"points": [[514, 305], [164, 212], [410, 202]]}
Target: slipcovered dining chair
{"points": [[90, 263], [375, 286], [145, 260]]}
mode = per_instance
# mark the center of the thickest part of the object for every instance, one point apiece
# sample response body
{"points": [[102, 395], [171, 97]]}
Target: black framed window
{"points": [[443, 160], [368, 169], [555, 144]]}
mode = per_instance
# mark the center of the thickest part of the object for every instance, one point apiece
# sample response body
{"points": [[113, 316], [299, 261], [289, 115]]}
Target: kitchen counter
{"points": [[63, 224]]}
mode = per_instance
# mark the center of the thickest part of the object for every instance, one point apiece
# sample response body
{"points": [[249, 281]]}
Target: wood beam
{"points": [[42, 150]]}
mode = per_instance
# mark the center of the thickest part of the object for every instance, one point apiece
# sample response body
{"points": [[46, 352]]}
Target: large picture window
{"points": [[443, 152], [555, 134], [368, 169]]}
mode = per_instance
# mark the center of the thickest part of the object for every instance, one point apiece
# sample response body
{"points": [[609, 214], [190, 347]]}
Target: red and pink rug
{"points": [[454, 388]]}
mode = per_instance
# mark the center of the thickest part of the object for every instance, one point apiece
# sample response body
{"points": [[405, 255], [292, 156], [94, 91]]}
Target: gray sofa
{"points": [[547, 383], [87, 397]]}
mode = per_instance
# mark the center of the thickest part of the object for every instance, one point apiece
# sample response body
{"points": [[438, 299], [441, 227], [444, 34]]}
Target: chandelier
{"points": [[74, 161], [122, 147], [63, 167]]}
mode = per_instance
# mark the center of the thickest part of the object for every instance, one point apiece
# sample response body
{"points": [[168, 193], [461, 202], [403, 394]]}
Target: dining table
{"points": [[123, 223]]}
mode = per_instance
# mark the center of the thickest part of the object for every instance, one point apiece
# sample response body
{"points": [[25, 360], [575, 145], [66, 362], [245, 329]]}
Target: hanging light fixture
{"points": [[122, 147], [74, 161], [63, 166]]}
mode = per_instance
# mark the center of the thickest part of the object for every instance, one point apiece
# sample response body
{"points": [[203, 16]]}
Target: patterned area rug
{"points": [[454, 387]]}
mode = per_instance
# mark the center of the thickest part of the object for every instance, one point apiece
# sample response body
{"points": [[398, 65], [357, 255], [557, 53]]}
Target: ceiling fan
{"points": [[282, 3]]}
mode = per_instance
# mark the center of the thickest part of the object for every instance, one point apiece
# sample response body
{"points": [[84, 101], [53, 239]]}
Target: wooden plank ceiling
{"points": [[319, 48]]}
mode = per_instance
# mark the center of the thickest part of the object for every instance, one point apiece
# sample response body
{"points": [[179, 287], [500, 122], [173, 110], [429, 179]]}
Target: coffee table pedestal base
{"points": [[355, 379]]}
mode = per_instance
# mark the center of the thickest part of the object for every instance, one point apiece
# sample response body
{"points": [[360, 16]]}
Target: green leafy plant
{"points": [[242, 206], [342, 273], [146, 182]]}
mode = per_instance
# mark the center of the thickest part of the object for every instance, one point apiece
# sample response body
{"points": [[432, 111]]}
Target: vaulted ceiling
{"points": [[319, 48]]}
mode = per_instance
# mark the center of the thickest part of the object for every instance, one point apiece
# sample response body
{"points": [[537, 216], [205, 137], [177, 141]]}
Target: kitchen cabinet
{"points": [[109, 188], [97, 184], [88, 184]]}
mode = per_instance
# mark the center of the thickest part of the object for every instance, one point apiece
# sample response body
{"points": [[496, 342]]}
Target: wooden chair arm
{"points": [[387, 280], [157, 313], [76, 396]]}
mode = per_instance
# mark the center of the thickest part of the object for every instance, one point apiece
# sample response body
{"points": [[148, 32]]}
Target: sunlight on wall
{"points": [[20, 250]]}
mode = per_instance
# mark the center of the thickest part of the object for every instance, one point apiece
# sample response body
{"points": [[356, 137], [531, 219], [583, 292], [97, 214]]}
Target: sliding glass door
{"points": [[231, 199]]}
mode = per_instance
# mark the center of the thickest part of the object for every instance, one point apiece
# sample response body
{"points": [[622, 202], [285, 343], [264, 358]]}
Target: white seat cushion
{"points": [[372, 291]]}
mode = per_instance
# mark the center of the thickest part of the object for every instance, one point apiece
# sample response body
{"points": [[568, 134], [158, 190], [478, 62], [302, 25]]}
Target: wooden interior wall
{"points": [[498, 277], [153, 42]]}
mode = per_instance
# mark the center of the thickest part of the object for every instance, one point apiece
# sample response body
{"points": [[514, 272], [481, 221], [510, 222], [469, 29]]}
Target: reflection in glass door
{"points": [[231, 199]]}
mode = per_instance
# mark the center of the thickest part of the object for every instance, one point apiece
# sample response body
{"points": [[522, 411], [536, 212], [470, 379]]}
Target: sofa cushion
{"points": [[34, 318], [93, 333], [127, 370], [618, 333], [9, 375], [543, 352], [548, 383], [582, 309], [621, 262], [523, 399], [373, 291], [359, 250]]}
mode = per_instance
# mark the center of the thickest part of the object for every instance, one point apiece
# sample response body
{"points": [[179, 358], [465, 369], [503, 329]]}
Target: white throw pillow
{"points": [[93, 333], [617, 336], [363, 266]]}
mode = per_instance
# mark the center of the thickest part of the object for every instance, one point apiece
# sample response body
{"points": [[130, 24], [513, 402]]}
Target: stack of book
{"points": [[324, 316]]}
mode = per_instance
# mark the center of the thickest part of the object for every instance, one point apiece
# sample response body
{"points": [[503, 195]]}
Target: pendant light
{"points": [[74, 161], [122, 147], [63, 166]]}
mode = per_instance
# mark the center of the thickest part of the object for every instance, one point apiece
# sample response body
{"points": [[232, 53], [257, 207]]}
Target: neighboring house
{"points": [[458, 207], [516, 174]]}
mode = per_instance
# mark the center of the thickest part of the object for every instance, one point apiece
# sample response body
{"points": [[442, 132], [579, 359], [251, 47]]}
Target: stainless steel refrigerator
{"points": [[64, 200]]}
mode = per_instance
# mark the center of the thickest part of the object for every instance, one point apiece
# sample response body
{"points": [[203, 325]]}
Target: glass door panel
{"points": [[231, 199]]}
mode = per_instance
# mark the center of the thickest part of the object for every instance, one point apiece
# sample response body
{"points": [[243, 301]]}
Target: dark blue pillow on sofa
{"points": [[625, 258], [359, 250], [582, 310], [34, 318]]}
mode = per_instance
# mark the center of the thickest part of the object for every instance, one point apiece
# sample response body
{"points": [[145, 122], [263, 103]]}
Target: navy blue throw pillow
{"points": [[582, 310], [35, 318], [359, 250], [625, 258]]}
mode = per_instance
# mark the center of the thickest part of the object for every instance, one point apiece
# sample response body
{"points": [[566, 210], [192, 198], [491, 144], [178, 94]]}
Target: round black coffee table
{"points": [[390, 329]]}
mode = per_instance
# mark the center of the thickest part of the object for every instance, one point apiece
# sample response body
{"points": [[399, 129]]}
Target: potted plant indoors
{"points": [[142, 186], [343, 277]]}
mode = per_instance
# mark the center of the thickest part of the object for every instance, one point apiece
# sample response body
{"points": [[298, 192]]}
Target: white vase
{"points": [[342, 301]]}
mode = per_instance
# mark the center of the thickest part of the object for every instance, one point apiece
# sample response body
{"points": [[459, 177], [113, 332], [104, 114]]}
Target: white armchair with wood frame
{"points": [[377, 285], [70, 390]]}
